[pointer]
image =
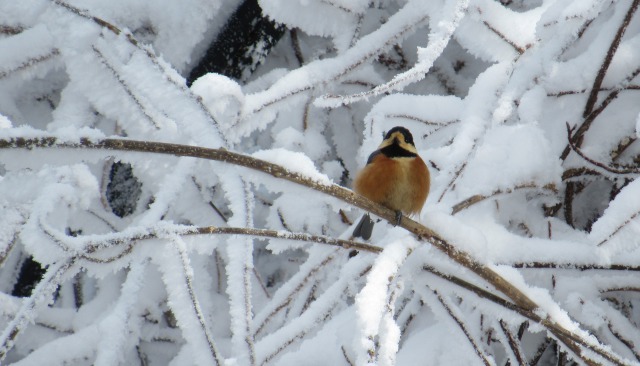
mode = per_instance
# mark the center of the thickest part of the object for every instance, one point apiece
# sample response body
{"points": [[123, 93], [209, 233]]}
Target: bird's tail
{"points": [[364, 228]]}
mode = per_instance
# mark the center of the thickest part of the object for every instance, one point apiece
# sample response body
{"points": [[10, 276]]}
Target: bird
{"points": [[395, 176]]}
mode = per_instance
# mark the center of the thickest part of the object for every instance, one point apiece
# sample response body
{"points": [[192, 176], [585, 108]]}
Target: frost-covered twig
{"points": [[319, 311], [629, 344], [438, 40], [582, 91], [177, 273], [572, 144], [239, 268], [42, 294], [619, 228], [11, 30], [613, 47], [395, 29], [453, 179], [169, 74], [514, 343], [588, 120], [285, 294], [571, 266], [571, 340], [448, 307], [30, 62], [466, 203], [418, 119], [501, 35], [374, 319], [540, 351], [123, 82]]}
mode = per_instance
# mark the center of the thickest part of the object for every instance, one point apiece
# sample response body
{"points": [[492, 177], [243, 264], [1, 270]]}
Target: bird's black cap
{"points": [[408, 137]]}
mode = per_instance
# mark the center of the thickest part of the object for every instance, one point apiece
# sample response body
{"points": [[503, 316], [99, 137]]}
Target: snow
{"points": [[486, 88], [295, 162]]}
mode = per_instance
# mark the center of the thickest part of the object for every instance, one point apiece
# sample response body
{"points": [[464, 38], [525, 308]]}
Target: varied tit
{"points": [[395, 176]]}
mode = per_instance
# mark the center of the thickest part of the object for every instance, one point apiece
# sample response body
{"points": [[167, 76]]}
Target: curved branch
{"points": [[574, 147], [572, 340]]}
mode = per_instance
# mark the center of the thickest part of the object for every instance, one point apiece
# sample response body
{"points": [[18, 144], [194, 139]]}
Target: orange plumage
{"points": [[395, 176]]}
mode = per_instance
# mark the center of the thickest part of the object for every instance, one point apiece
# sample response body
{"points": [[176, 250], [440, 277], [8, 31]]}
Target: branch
{"points": [[439, 38], [42, 293], [518, 49], [573, 92], [322, 72], [464, 329], [514, 344], [126, 87], [421, 120], [572, 144], [188, 277], [519, 298], [619, 228], [613, 47], [570, 266], [30, 62], [624, 341], [464, 204], [586, 124], [570, 339], [162, 66]]}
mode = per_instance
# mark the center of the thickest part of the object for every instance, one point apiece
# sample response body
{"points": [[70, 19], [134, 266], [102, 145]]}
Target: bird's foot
{"points": [[398, 218]]}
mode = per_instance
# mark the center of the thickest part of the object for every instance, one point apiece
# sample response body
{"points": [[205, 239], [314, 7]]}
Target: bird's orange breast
{"points": [[398, 183]]}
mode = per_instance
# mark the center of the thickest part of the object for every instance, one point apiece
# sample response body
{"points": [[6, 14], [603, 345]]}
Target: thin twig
{"points": [[30, 62], [416, 73], [464, 329], [418, 119], [574, 92], [613, 47], [188, 278], [624, 341], [540, 351], [152, 57], [41, 293], [575, 148], [517, 48], [289, 297], [295, 43], [464, 204], [514, 344], [628, 221], [452, 182], [572, 266], [588, 120]]}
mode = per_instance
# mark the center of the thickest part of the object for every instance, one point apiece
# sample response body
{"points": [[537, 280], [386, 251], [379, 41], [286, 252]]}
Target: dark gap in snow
{"points": [[30, 274], [123, 190], [244, 42]]}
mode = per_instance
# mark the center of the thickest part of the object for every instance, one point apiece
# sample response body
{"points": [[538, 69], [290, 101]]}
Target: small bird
{"points": [[395, 176]]}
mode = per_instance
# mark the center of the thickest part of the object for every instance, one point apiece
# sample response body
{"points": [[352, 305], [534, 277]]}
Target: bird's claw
{"points": [[398, 218]]}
